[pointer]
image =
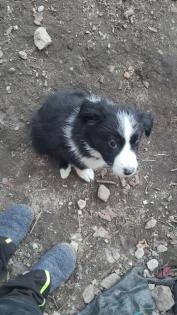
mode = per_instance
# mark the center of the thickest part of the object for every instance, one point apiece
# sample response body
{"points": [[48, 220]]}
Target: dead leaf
{"points": [[142, 244], [108, 214]]}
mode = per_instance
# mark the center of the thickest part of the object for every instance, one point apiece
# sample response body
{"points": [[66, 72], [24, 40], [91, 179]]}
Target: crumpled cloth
{"points": [[130, 296]]}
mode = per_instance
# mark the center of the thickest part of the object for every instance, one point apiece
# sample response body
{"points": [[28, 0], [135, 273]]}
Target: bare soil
{"points": [[93, 44]]}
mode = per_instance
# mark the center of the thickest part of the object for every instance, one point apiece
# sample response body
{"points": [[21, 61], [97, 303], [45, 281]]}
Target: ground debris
{"points": [[109, 281], [163, 298], [41, 38], [151, 224], [103, 193]]}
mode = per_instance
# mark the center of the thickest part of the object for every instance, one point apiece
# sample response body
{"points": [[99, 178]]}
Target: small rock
{"points": [[109, 281], [162, 248], [151, 224], [127, 75], [11, 70], [152, 264], [146, 84], [1, 53], [81, 204], [41, 38], [101, 232], [139, 253], [89, 293], [145, 202], [163, 298], [129, 13], [40, 8], [34, 246], [15, 27], [38, 18], [152, 29], [8, 89], [74, 245], [22, 54], [103, 193]]}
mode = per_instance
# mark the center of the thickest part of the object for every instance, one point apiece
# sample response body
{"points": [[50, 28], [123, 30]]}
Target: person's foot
{"points": [[60, 262], [15, 223]]}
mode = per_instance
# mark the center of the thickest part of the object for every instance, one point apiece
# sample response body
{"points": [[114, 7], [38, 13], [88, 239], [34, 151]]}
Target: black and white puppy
{"points": [[89, 132]]}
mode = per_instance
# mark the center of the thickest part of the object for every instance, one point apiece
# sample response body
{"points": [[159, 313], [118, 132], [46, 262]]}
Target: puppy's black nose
{"points": [[128, 171]]}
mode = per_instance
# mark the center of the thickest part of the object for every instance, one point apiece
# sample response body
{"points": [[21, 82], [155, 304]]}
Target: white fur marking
{"points": [[96, 161], [126, 159], [64, 173], [94, 98], [87, 174]]}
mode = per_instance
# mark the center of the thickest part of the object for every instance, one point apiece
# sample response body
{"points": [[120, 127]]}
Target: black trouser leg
{"points": [[27, 293]]}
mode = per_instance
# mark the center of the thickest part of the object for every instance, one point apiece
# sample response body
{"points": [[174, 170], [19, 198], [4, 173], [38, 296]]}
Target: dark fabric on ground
{"points": [[24, 291], [130, 296]]}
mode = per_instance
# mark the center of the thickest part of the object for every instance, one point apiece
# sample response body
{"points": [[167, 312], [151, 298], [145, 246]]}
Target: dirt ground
{"points": [[93, 44]]}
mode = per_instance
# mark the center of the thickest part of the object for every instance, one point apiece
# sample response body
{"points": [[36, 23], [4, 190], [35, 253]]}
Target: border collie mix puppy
{"points": [[89, 132]]}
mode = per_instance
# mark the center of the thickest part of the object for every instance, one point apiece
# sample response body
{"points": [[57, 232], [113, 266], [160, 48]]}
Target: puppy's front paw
{"points": [[64, 173], [87, 174]]}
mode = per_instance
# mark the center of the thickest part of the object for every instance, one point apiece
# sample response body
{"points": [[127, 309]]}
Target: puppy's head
{"points": [[115, 133]]}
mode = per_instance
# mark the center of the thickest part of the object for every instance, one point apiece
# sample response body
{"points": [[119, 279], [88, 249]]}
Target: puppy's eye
{"points": [[112, 143]]}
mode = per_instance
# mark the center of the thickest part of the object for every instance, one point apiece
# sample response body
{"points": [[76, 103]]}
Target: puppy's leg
{"points": [[65, 169], [86, 174]]}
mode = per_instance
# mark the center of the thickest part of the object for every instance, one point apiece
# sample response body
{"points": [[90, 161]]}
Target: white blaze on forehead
{"points": [[126, 159], [94, 98]]}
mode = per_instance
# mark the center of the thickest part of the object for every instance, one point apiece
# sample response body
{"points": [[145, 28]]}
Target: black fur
{"points": [[95, 123]]}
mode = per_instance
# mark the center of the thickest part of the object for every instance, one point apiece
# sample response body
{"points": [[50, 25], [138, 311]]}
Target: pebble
{"points": [[128, 13], [89, 293], [163, 298], [1, 53], [103, 193], [81, 204], [40, 8], [151, 224], [152, 264], [11, 70], [34, 246], [41, 38], [152, 29], [162, 248], [109, 281], [127, 75], [22, 54], [101, 232], [8, 89], [146, 84], [38, 18], [139, 253]]}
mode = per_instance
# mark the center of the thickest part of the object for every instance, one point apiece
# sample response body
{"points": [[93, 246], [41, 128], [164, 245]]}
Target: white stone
{"points": [[22, 54], [163, 298], [103, 193], [139, 253], [89, 293], [81, 204], [40, 8], [151, 224], [129, 13], [152, 264], [162, 248], [41, 38], [109, 281]]}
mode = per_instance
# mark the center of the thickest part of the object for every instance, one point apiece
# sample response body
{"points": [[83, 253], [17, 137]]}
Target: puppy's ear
{"points": [[147, 121], [91, 113]]}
